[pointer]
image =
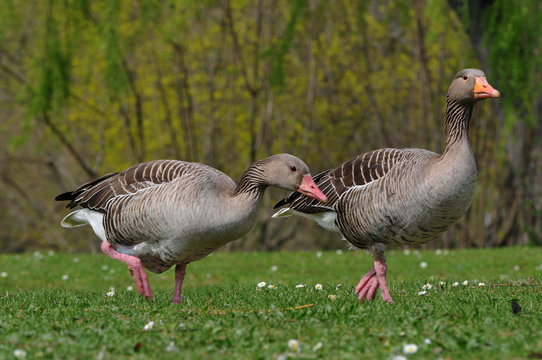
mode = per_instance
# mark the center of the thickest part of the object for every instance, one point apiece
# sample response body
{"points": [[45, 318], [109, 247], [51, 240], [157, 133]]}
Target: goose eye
{"points": [[465, 77], [293, 168]]}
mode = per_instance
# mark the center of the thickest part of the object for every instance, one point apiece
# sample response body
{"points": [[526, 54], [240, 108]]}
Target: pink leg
{"points": [[381, 270], [180, 271], [367, 286], [365, 279], [375, 278], [369, 291], [135, 267]]}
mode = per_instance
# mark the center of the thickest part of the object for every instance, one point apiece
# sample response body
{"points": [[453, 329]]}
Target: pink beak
{"points": [[308, 187]]}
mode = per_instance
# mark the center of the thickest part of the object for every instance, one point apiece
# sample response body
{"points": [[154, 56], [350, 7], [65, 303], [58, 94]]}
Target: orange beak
{"points": [[482, 90], [308, 187]]}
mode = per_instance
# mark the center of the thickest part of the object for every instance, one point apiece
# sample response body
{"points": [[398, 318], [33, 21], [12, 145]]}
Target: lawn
{"points": [[56, 306]]}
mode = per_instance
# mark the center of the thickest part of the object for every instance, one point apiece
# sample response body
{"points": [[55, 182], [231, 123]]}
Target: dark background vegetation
{"points": [[90, 87]]}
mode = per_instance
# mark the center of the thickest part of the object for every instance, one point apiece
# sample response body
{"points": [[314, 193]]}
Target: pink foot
{"points": [[135, 267], [374, 279], [180, 271]]}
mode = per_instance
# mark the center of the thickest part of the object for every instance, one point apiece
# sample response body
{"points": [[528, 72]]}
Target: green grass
{"points": [[223, 316]]}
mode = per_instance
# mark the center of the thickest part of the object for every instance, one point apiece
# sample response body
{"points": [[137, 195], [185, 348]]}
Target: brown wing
{"points": [[95, 194], [357, 171]]}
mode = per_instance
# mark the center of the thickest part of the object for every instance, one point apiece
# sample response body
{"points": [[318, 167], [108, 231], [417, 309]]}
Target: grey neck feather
{"points": [[458, 115], [253, 182]]}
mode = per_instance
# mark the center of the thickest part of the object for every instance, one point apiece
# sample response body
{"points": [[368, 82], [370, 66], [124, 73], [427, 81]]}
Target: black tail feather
{"points": [[72, 195], [282, 202], [65, 196]]}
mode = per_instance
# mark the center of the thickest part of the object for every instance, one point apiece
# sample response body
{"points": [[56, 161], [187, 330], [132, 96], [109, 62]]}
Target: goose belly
{"points": [[159, 256], [175, 232], [410, 216]]}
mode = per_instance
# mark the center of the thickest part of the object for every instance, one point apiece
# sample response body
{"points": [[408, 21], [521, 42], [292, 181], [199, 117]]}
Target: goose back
{"points": [[95, 194]]}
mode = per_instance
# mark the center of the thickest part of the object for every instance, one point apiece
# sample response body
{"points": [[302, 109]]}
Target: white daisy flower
{"points": [[406, 252], [516, 267], [50, 252], [398, 357], [438, 252], [110, 293], [318, 254], [465, 283], [441, 283], [481, 284], [261, 284], [293, 345], [19, 353], [65, 277], [105, 267], [3, 274], [75, 259], [271, 286], [339, 252], [318, 346], [427, 341], [299, 286], [427, 286], [274, 268], [332, 297], [318, 287], [423, 265], [455, 284], [410, 348], [171, 347], [422, 292], [129, 288], [148, 326]]}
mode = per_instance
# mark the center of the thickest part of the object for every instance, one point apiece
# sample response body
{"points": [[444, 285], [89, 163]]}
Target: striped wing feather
{"points": [[95, 194], [358, 171]]}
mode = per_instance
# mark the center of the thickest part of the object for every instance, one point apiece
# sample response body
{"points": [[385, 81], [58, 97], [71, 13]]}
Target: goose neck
{"points": [[252, 183], [458, 115]]}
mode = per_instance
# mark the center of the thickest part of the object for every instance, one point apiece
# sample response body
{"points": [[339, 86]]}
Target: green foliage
{"points": [[278, 51], [514, 36], [223, 315], [113, 52]]}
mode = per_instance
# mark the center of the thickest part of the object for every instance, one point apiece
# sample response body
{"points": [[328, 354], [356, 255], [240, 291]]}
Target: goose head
{"points": [[470, 85], [290, 173]]}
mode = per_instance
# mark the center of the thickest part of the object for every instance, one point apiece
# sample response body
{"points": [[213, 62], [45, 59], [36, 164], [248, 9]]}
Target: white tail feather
{"points": [[324, 219], [84, 217], [282, 213]]}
